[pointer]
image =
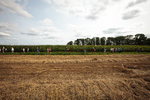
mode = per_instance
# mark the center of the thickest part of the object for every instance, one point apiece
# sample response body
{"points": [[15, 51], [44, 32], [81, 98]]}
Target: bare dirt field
{"points": [[93, 77]]}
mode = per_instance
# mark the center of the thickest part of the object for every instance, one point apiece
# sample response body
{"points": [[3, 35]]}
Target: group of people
{"points": [[138, 50], [116, 50], [5, 50], [104, 49], [26, 49], [49, 50]]}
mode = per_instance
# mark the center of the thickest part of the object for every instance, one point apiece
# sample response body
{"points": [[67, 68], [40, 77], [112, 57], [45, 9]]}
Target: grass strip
{"points": [[71, 53]]}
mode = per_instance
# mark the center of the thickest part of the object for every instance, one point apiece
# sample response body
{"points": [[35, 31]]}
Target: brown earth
{"points": [[45, 77]]}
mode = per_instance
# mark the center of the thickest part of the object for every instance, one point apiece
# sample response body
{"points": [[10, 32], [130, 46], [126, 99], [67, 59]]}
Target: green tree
{"points": [[140, 39], [76, 42], [88, 41], [128, 40], [98, 41], [82, 41], [70, 43], [93, 41], [110, 41], [120, 40], [148, 41], [103, 39]]}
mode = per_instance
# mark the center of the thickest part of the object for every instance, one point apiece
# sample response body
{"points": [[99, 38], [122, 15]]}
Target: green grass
{"points": [[70, 53]]}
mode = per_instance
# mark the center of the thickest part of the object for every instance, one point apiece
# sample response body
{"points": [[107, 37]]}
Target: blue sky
{"points": [[56, 22]]}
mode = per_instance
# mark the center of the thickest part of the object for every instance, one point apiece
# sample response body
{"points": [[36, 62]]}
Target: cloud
{"points": [[18, 0], [136, 2], [15, 8], [115, 31], [31, 31], [51, 37], [116, 0], [77, 31], [92, 17], [112, 30], [50, 29], [131, 14], [8, 28], [40, 31], [2, 11], [46, 22], [4, 34], [89, 9], [48, 1]]}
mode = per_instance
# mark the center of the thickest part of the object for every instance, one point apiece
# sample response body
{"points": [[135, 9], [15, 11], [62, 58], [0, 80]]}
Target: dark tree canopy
{"points": [[138, 39]]}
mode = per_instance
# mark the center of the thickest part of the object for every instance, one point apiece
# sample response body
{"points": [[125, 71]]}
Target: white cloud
{"points": [[18, 0], [31, 31], [74, 29], [131, 14], [42, 31], [77, 31], [48, 1], [50, 29], [15, 8], [46, 22], [4, 34], [2, 11], [52, 37], [8, 28], [136, 3], [116, 31], [89, 9]]}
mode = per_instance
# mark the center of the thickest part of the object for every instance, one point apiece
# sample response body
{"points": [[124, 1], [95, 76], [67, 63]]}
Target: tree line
{"points": [[138, 39]]}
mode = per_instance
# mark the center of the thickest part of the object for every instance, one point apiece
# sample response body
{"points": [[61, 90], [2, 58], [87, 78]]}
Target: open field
{"points": [[75, 77]]}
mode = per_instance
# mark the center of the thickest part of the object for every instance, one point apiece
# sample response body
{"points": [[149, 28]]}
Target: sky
{"points": [[56, 22]]}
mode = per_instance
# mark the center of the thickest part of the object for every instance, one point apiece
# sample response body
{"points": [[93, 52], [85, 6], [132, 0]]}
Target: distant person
{"points": [[0, 50], [116, 50], [47, 50], [12, 50], [67, 49], [28, 49], [85, 49], [113, 49], [50, 50], [140, 50], [105, 50], [3, 49], [38, 49], [23, 50], [135, 49], [94, 50], [119, 50], [102, 49]]}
